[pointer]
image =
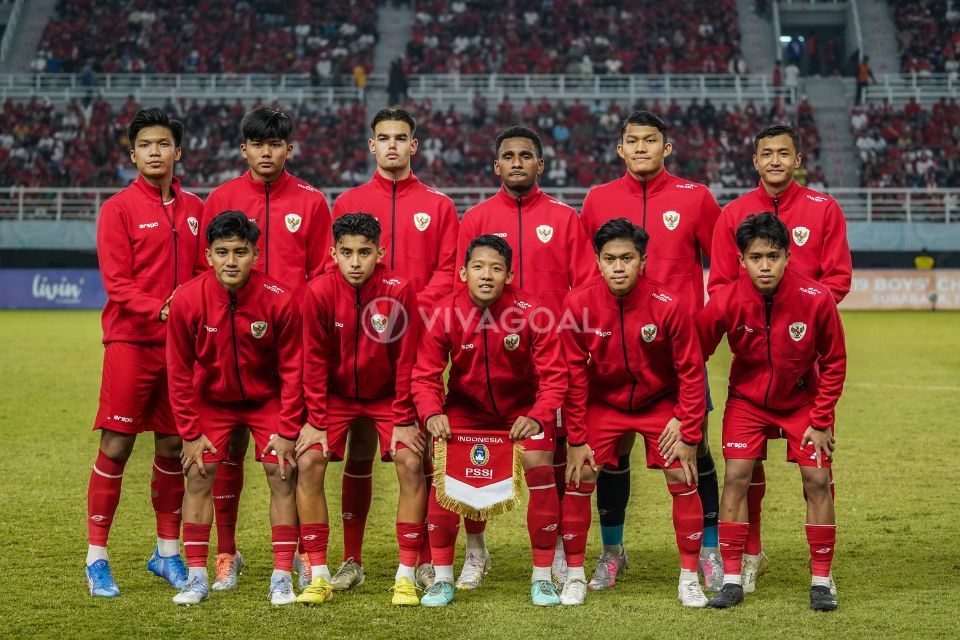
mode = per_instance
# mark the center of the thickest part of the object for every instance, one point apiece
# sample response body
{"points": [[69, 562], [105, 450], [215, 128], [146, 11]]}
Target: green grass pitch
{"points": [[898, 485]]}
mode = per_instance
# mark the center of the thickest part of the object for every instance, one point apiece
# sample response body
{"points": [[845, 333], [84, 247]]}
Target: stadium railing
{"points": [[898, 88], [859, 205]]}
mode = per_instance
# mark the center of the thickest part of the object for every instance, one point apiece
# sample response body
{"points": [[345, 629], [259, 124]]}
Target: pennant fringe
{"points": [[465, 510]]}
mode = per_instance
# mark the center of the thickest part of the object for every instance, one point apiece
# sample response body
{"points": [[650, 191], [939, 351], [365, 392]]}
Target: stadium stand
{"points": [[929, 35]]}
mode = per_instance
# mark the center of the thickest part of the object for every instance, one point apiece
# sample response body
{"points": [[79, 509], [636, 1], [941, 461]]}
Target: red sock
{"points": [[560, 469], [196, 543], [758, 487], [314, 538], [103, 496], [426, 555], [822, 539], [543, 514], [166, 489], [733, 535], [687, 523], [355, 494], [227, 487], [575, 521], [442, 527], [474, 526], [409, 537], [285, 537]]}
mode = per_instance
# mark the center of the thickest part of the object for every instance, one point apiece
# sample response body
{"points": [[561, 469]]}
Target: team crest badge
{"points": [[194, 225], [671, 219], [293, 222], [479, 455], [544, 232], [258, 329], [801, 235], [797, 331], [379, 322], [649, 332], [511, 341], [421, 220]]}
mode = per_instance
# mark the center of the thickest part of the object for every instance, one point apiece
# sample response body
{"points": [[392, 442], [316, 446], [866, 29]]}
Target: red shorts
{"points": [[464, 417], [747, 427], [133, 390], [343, 412], [218, 422], [606, 425]]}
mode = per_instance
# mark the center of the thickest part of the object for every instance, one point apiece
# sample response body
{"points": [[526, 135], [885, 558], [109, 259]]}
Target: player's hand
{"points": [[310, 436], [285, 451], [410, 436], [576, 458], [439, 426], [523, 428], [192, 453], [165, 309], [671, 435], [822, 441], [687, 455]]}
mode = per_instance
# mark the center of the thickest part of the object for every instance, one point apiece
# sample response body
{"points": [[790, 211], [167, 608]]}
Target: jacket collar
{"points": [[154, 192], [785, 199], [408, 183], [786, 284], [653, 185], [260, 188], [527, 201], [367, 288], [473, 313], [243, 294]]}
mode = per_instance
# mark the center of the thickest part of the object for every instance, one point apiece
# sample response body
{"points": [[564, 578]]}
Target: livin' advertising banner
{"points": [[51, 289]]}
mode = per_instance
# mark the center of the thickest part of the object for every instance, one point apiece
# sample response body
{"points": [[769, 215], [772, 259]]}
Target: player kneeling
{"points": [[789, 363], [635, 365], [507, 377], [234, 360], [360, 335]]}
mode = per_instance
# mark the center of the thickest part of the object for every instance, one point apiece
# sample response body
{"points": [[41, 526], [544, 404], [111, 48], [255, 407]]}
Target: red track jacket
{"points": [[678, 215], [788, 350], [419, 231], [294, 222], [817, 228], [505, 361], [146, 250], [630, 352], [551, 253], [226, 347], [360, 343]]}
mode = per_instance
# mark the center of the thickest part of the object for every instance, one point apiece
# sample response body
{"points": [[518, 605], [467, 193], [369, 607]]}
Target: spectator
{"points": [[864, 77]]}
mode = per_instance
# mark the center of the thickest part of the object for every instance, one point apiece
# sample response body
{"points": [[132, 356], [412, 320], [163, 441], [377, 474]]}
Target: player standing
{"points": [[679, 217], [419, 235], [553, 255], [507, 374], [634, 366], [234, 360], [294, 245], [789, 363], [146, 245], [819, 250], [361, 327]]}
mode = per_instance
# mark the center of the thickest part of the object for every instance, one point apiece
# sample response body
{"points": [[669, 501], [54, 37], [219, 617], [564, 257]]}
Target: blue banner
{"points": [[51, 289]]}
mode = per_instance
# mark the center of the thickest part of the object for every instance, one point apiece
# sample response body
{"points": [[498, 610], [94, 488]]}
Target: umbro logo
{"points": [[569, 536], [524, 305], [550, 527], [98, 518], [810, 291], [825, 550], [391, 281], [273, 287], [662, 297], [347, 515], [816, 198]]}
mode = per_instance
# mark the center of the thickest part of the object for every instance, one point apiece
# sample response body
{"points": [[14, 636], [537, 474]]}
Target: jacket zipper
{"points": [[393, 225], [768, 311], [643, 185], [520, 242], [626, 361], [486, 364], [266, 234], [173, 227], [356, 350], [776, 206], [233, 332]]}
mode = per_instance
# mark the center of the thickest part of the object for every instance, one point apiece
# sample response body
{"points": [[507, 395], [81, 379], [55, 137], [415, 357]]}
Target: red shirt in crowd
{"points": [[294, 222], [679, 217], [360, 343], [818, 232], [630, 352], [233, 347], [418, 229], [788, 350], [146, 249]]}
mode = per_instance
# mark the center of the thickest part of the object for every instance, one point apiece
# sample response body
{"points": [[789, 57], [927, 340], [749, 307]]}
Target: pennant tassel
{"points": [[461, 505]]}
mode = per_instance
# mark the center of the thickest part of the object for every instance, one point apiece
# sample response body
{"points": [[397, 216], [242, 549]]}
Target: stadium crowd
{"points": [[929, 38], [563, 36]]}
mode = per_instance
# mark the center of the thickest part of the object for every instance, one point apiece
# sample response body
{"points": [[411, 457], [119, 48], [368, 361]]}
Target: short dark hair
{"points": [[774, 130], [264, 123], [491, 241], [621, 228], [395, 113], [357, 224], [644, 119], [519, 131], [154, 118], [765, 226], [232, 224]]}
